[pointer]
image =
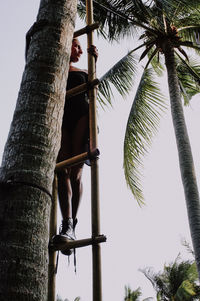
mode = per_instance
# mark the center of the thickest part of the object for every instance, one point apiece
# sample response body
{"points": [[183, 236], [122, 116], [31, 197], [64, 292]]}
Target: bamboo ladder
{"points": [[93, 153]]}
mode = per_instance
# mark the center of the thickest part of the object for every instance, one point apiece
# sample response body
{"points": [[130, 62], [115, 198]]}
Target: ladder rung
{"points": [[77, 159], [73, 244], [86, 29], [81, 88]]}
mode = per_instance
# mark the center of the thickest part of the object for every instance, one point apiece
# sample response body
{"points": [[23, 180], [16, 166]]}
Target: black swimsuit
{"points": [[77, 106]]}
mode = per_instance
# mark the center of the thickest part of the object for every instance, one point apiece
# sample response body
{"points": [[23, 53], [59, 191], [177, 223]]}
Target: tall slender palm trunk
{"points": [[30, 155], [184, 153]]}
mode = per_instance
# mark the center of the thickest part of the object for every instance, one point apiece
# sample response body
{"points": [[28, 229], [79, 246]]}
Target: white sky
{"points": [[136, 237]]}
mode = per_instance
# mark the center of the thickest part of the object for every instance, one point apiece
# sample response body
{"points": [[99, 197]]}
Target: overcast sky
{"points": [[136, 237]]}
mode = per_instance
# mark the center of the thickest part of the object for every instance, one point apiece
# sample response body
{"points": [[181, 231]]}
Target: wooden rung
{"points": [[81, 88], [86, 29], [73, 244], [77, 159]]}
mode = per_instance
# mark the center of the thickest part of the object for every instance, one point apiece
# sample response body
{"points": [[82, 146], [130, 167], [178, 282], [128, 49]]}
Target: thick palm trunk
{"points": [[185, 154], [30, 154]]}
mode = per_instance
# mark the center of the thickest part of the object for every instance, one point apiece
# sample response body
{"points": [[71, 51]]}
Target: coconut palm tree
{"points": [[177, 282], [165, 31], [30, 153]]}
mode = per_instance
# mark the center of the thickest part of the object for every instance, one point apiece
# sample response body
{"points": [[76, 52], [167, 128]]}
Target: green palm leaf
{"points": [[191, 45], [186, 291], [121, 75], [190, 32], [192, 273], [180, 8], [189, 78], [132, 295], [142, 124], [156, 62], [177, 281], [116, 18], [112, 16]]}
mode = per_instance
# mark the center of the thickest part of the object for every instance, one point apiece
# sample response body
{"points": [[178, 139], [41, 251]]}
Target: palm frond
{"points": [[177, 10], [121, 76], [176, 282], [192, 273], [142, 11], [190, 32], [151, 57], [112, 16], [118, 18], [181, 7], [183, 52], [146, 51], [155, 61], [142, 124], [190, 45], [132, 295], [186, 291], [189, 78]]}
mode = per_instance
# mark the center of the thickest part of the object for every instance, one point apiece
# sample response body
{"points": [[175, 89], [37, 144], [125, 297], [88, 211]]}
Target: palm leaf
{"points": [[142, 124], [190, 32], [146, 51], [132, 295], [191, 45], [181, 7], [189, 78], [121, 76], [118, 18], [186, 291], [192, 273], [112, 16], [176, 282], [155, 61], [152, 56], [142, 11]]}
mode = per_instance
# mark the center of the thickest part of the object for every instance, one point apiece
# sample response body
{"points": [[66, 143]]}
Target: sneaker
{"points": [[66, 232]]}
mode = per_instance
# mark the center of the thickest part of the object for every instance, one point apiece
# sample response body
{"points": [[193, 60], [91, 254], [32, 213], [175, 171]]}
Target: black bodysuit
{"points": [[76, 106]]}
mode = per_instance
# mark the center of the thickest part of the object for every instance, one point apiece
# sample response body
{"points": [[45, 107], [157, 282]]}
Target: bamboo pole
{"points": [[81, 88], [96, 251], [52, 254], [73, 244], [86, 29], [77, 159]]}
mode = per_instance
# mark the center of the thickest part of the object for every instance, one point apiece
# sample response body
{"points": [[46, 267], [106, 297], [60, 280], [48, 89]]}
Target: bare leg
{"points": [[78, 143], [65, 194], [64, 182], [77, 189]]}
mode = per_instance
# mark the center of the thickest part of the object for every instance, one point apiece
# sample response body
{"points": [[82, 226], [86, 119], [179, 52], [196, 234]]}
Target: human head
{"points": [[76, 51]]}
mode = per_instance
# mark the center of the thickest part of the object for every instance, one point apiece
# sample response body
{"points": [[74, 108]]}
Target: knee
{"points": [[76, 178], [63, 179]]}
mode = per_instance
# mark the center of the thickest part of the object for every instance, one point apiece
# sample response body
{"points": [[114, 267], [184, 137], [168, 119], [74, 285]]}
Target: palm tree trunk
{"points": [[30, 154], [185, 154]]}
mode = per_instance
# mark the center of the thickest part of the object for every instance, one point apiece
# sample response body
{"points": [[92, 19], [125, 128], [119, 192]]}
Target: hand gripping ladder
{"points": [[93, 153]]}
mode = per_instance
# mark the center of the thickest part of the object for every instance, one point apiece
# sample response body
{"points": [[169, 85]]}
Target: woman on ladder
{"points": [[75, 134]]}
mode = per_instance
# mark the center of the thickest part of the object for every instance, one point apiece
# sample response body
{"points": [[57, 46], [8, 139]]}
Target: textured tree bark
{"points": [[30, 154], [185, 154]]}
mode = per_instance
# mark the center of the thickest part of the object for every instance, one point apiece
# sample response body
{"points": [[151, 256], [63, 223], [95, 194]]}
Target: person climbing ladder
{"points": [[74, 138]]}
